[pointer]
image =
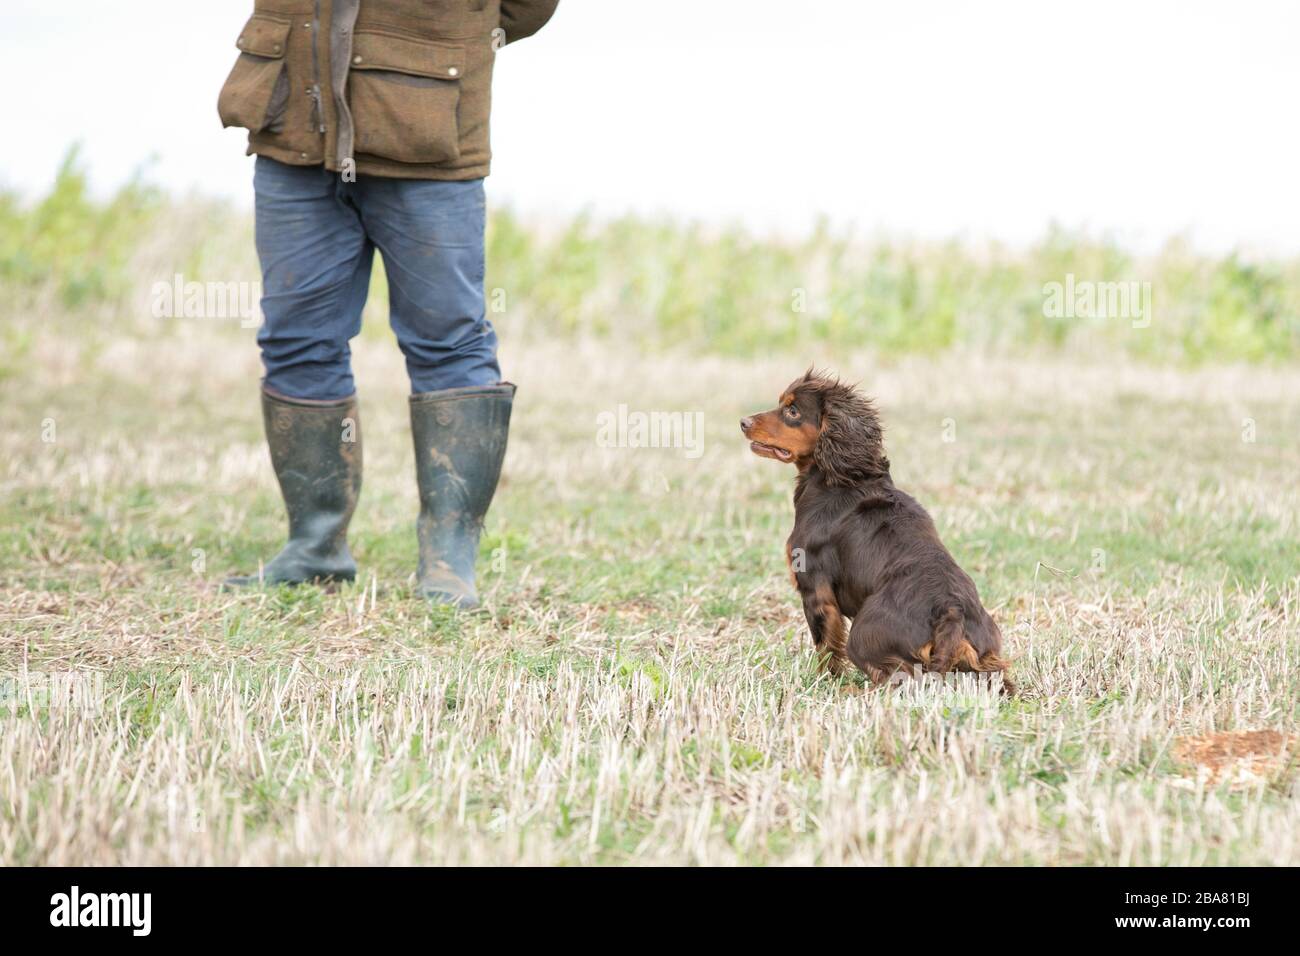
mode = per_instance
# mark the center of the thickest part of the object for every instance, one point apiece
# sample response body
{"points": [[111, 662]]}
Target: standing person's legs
{"points": [[316, 263], [431, 235]]}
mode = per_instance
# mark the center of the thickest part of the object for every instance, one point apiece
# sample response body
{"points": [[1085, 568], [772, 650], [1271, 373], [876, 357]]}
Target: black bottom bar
{"points": [[339, 906]]}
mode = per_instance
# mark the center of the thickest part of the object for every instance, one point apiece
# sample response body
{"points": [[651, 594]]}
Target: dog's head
{"points": [[823, 424]]}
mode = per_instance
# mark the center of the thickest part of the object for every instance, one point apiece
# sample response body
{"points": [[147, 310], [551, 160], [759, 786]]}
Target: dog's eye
{"points": [[792, 413]]}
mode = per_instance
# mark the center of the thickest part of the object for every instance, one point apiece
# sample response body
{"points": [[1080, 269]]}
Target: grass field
{"points": [[639, 687]]}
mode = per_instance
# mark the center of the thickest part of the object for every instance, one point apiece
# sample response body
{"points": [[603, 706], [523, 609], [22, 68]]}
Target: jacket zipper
{"points": [[317, 109]]}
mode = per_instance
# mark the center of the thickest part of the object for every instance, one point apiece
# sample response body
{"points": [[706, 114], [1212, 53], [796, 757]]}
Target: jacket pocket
{"points": [[404, 95], [256, 93]]}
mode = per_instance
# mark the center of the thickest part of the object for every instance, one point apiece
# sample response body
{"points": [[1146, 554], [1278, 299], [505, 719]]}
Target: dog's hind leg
{"points": [[878, 645], [827, 626], [951, 650]]}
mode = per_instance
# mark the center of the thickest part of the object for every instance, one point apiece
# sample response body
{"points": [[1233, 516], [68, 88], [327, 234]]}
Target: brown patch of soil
{"points": [[1239, 758]]}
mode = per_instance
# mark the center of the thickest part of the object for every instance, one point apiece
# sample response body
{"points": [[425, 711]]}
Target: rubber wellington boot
{"points": [[316, 453], [460, 441]]}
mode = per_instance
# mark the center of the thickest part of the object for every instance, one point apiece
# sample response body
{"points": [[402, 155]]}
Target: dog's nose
{"points": [[746, 424]]}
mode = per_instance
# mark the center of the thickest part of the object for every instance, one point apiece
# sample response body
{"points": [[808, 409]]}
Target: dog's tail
{"points": [[950, 650]]}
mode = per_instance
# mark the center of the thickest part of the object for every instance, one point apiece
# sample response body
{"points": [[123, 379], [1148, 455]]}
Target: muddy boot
{"points": [[460, 440], [316, 453]]}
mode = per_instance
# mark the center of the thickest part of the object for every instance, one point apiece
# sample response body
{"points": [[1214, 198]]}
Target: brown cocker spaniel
{"points": [[861, 549]]}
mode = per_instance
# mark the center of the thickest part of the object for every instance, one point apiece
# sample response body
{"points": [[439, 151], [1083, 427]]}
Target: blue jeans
{"points": [[316, 239]]}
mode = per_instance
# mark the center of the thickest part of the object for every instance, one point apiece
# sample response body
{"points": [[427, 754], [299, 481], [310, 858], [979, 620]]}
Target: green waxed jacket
{"points": [[383, 87]]}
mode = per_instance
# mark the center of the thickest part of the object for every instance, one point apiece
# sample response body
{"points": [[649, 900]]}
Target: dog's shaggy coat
{"points": [[861, 549]]}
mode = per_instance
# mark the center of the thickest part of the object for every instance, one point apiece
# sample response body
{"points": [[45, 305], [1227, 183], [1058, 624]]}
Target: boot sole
{"points": [[323, 580]]}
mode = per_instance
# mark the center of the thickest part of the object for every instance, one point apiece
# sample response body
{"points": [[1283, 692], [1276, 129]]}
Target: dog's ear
{"points": [[850, 446]]}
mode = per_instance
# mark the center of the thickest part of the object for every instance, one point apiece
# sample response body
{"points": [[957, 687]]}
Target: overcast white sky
{"points": [[929, 118]]}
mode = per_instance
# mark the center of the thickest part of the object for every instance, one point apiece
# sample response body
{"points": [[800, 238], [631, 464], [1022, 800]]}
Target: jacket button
{"points": [[277, 48], [356, 59], [452, 71]]}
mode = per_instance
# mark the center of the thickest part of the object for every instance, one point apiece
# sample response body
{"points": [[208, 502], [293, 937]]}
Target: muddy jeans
{"points": [[316, 239]]}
